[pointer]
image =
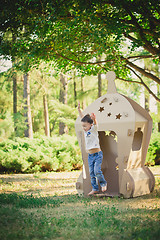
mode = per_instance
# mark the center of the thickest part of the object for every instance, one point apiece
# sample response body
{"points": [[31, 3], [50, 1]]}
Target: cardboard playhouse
{"points": [[124, 129]]}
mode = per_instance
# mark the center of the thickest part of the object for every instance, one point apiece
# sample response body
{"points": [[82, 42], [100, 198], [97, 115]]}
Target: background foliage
{"points": [[40, 154], [153, 155]]}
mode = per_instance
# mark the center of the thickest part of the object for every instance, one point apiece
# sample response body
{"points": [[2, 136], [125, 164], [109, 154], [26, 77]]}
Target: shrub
{"points": [[153, 155], [59, 153]]}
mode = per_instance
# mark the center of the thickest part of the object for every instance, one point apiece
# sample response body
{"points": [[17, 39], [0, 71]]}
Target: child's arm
{"points": [[79, 110], [93, 117]]}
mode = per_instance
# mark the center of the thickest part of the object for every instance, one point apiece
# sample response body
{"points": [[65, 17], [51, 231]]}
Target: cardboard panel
{"points": [[124, 159]]}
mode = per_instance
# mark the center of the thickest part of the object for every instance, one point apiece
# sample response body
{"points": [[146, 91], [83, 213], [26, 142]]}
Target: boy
{"points": [[95, 155]]}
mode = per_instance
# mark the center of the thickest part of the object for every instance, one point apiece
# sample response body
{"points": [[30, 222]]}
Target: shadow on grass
{"points": [[16, 224], [29, 201], [89, 221]]}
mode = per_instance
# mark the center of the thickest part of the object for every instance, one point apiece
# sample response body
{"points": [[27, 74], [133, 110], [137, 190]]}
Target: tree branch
{"points": [[141, 56], [146, 46], [126, 80], [104, 67], [143, 83], [79, 62], [142, 71]]}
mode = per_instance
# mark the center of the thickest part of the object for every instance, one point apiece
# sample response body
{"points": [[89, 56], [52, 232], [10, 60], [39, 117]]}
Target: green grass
{"points": [[39, 215]]}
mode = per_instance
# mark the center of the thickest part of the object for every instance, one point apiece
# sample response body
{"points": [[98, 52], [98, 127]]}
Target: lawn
{"points": [[46, 206]]}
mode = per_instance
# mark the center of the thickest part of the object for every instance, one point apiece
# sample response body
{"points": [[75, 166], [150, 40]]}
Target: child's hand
{"points": [[93, 116]]}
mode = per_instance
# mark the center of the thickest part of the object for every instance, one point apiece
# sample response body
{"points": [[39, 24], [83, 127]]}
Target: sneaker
{"points": [[104, 188], [92, 193]]}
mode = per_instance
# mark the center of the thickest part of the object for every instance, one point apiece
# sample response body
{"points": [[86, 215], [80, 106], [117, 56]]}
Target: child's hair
{"points": [[87, 118]]}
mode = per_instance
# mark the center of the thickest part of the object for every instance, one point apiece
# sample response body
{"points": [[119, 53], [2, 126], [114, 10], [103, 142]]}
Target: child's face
{"points": [[86, 126]]}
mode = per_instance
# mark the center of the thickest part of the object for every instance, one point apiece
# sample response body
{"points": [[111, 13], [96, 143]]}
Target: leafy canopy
{"points": [[84, 34]]}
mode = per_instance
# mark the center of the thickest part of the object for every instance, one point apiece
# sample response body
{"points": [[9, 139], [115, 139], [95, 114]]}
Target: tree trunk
{"points": [[158, 95], [146, 100], [14, 78], [14, 93], [14, 98], [82, 90], [99, 85], [75, 90], [46, 116], [27, 108], [158, 107], [63, 99], [146, 94]]}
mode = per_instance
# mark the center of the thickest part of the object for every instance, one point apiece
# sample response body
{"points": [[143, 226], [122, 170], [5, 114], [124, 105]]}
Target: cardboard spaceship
{"points": [[124, 129]]}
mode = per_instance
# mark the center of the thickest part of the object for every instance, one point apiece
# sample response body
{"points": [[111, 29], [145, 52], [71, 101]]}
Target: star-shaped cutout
{"points": [[118, 116], [109, 114], [101, 109]]}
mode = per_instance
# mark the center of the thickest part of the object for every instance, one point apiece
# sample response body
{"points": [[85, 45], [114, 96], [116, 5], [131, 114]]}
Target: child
{"points": [[95, 155]]}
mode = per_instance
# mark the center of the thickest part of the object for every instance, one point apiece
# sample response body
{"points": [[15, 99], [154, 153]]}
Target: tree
{"points": [[99, 85], [14, 97], [82, 90], [75, 89], [74, 33], [158, 108], [27, 107], [46, 116], [42, 86], [45, 103], [63, 99]]}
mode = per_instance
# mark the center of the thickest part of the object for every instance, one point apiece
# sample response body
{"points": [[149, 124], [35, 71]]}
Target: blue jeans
{"points": [[94, 162]]}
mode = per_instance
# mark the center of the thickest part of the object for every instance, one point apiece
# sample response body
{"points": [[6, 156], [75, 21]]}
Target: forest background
{"points": [[60, 52]]}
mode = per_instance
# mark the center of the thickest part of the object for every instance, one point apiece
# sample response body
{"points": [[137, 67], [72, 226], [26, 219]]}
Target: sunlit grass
{"points": [[46, 206]]}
